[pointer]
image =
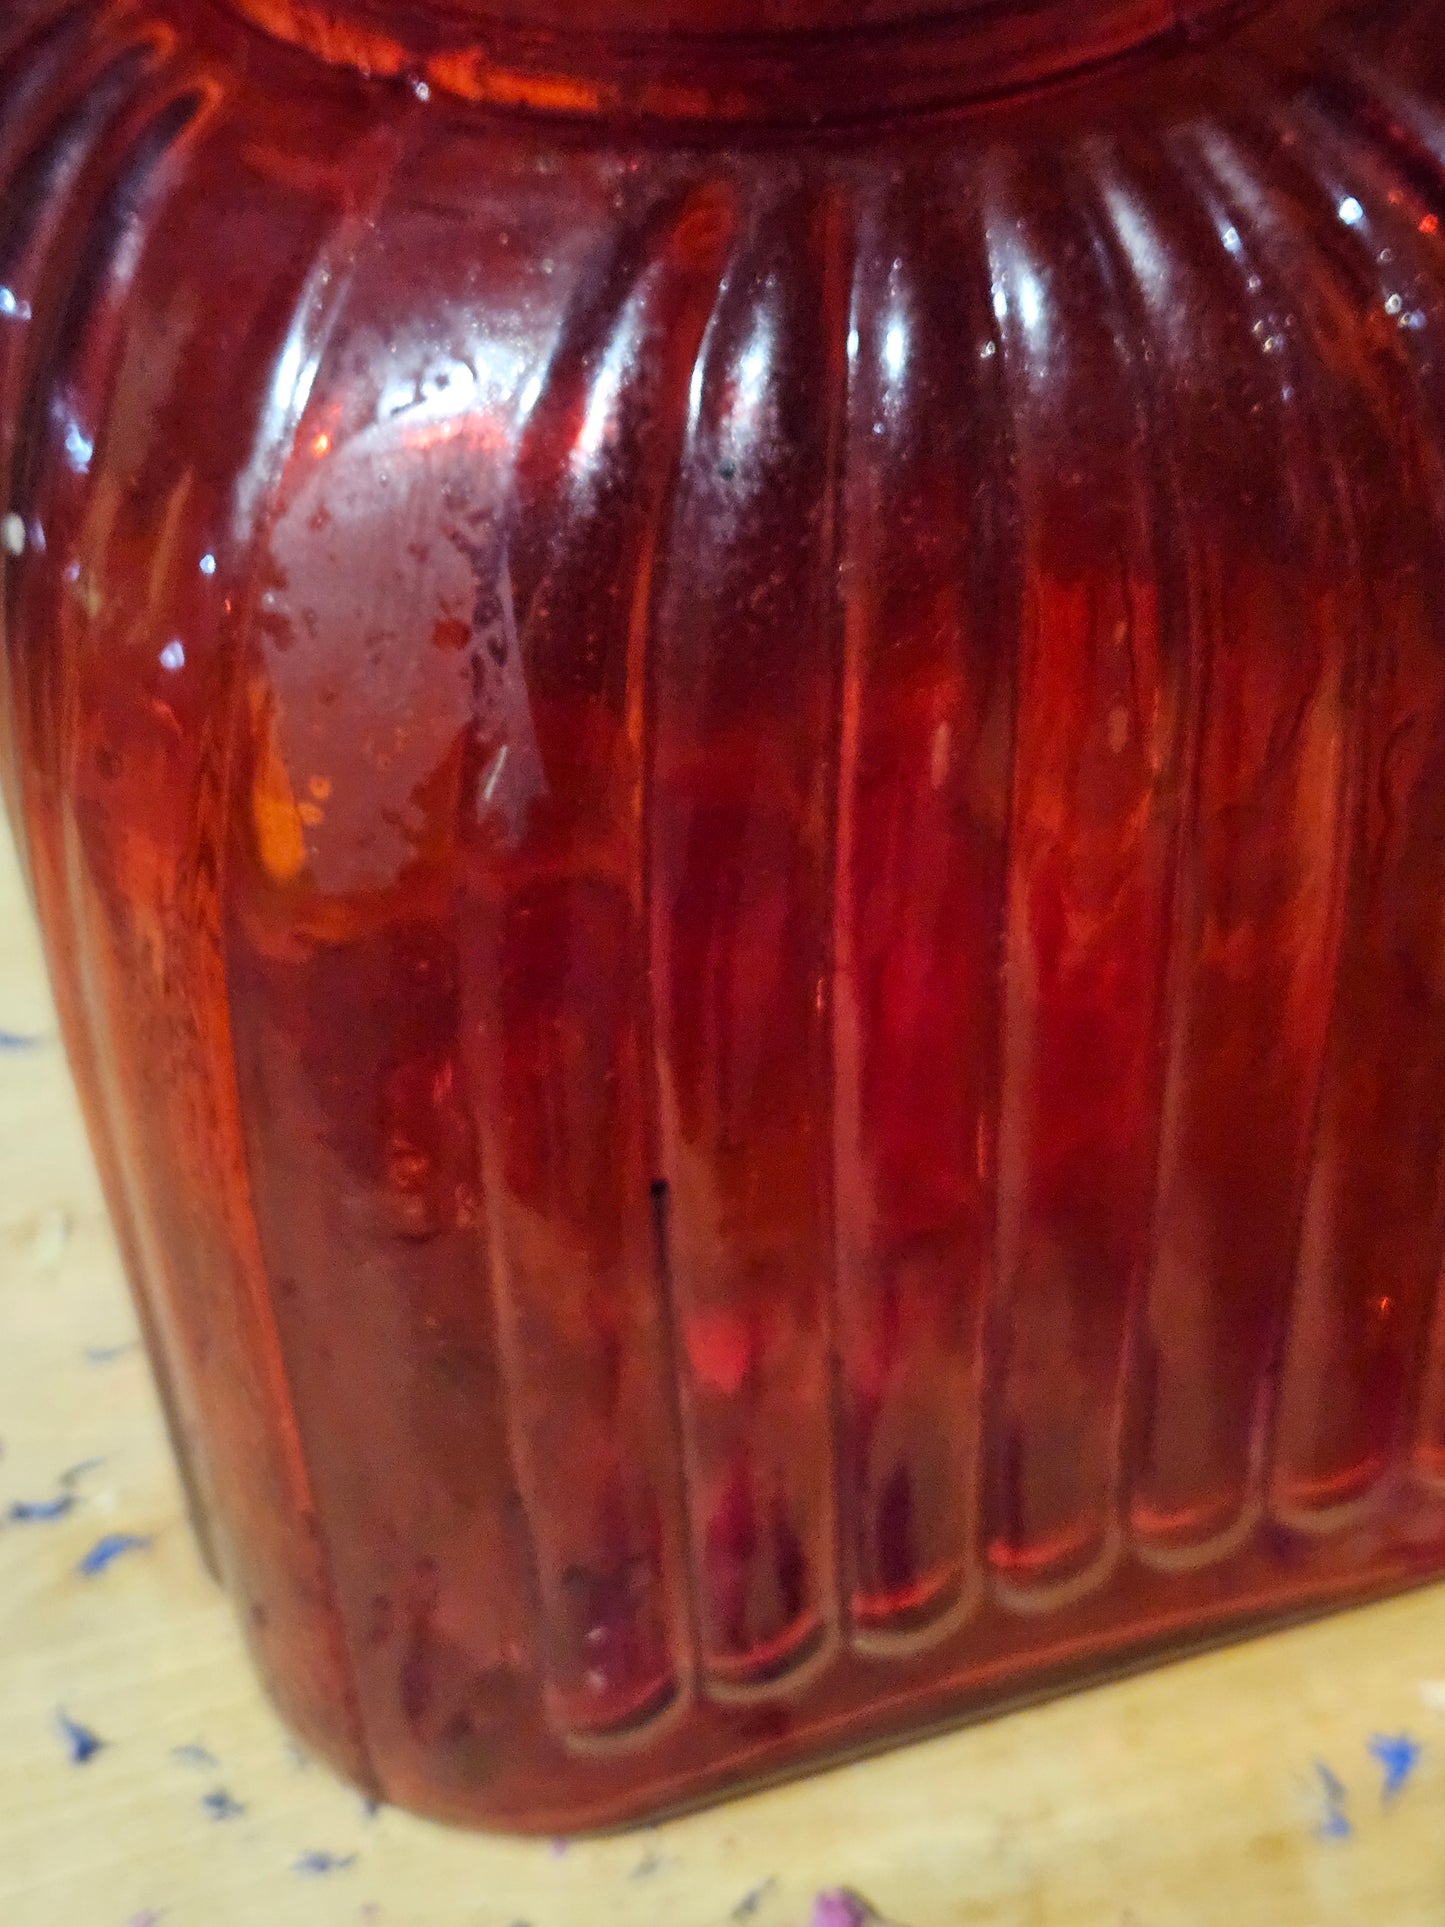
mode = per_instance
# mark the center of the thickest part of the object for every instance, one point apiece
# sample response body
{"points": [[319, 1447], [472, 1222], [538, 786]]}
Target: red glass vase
{"points": [[729, 724]]}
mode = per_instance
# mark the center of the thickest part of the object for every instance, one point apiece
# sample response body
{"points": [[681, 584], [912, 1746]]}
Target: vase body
{"points": [[737, 789]]}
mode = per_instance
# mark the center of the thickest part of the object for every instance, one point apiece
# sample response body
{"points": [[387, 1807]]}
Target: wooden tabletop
{"points": [[1296, 1781]]}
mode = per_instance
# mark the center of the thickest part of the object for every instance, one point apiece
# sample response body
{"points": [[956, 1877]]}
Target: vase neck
{"points": [[731, 60]]}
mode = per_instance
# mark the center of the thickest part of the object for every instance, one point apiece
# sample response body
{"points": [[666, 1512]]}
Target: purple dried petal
{"points": [[841, 1907]]}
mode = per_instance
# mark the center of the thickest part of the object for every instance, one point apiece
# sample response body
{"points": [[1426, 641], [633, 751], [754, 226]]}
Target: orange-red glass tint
{"points": [[736, 777]]}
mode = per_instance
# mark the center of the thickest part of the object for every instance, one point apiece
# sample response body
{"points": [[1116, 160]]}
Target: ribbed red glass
{"points": [[729, 727]]}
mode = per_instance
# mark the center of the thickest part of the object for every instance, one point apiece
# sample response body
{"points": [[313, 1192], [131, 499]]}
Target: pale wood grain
{"points": [[1186, 1796]]}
